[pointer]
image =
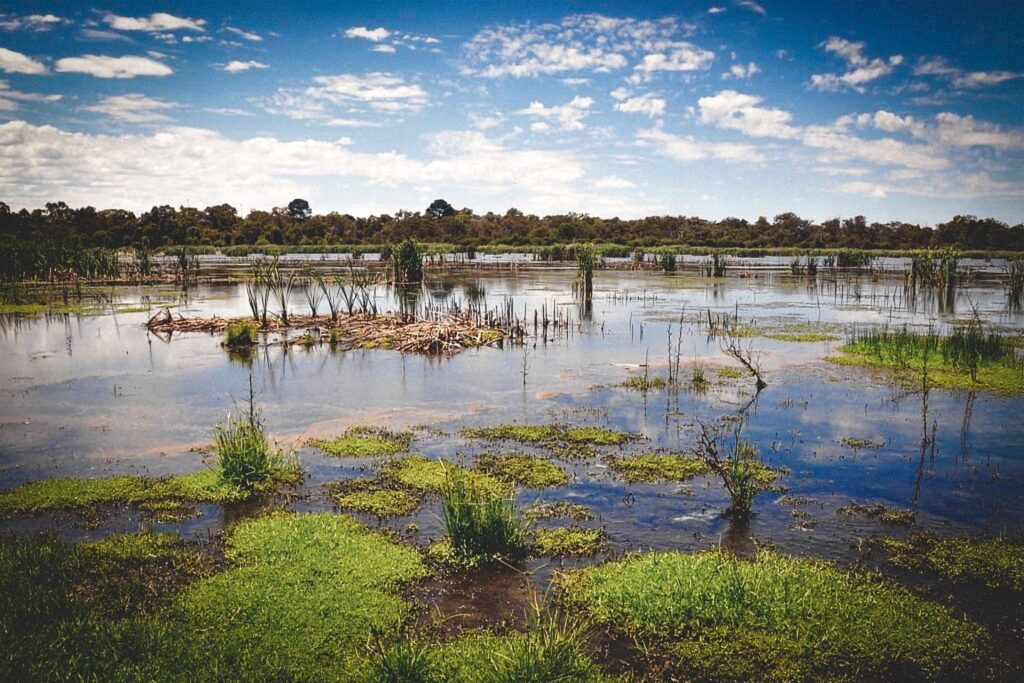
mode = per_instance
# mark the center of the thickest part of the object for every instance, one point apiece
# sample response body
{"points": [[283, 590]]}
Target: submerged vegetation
{"points": [[572, 540], [774, 619]]}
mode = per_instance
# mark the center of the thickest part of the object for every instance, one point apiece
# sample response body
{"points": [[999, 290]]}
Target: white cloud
{"points": [[861, 69], [580, 42], [681, 57], [9, 98], [32, 22], [687, 149], [966, 131], [386, 49], [737, 111], [486, 122], [102, 66], [202, 167], [715, 10], [352, 123], [753, 6], [837, 145], [376, 35], [741, 71], [156, 22], [540, 127], [16, 63], [236, 66], [648, 103], [885, 121], [613, 183], [379, 90], [248, 35], [132, 108], [568, 116], [864, 188], [960, 79]]}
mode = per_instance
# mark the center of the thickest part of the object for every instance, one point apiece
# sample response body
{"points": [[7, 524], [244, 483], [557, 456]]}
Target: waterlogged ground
{"points": [[96, 395]]}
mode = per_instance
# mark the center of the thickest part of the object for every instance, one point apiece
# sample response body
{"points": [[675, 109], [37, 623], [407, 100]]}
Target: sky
{"points": [[909, 111]]}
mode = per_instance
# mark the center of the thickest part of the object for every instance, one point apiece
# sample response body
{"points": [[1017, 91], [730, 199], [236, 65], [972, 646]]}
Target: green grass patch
{"points": [[775, 618], [897, 516], [204, 486], [645, 383], [992, 562], [365, 442], [430, 476], [523, 469], [551, 434], [655, 467], [860, 444], [965, 360], [241, 333], [805, 337], [373, 499], [572, 540], [482, 527], [559, 509]]}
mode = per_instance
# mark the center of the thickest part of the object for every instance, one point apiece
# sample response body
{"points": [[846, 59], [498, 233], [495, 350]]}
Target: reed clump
{"points": [[586, 260], [244, 455], [241, 333], [481, 527], [407, 263]]}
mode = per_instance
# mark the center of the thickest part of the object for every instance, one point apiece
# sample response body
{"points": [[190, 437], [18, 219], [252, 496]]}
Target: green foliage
{"points": [[790, 619], [654, 467], [403, 661], [374, 500], [407, 262], [586, 260], [243, 453], [992, 562], [365, 442], [551, 435], [421, 474], [241, 333], [897, 516], [482, 527], [523, 469], [569, 541]]}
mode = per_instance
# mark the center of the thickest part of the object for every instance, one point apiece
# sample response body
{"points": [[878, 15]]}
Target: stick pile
{"points": [[445, 335]]}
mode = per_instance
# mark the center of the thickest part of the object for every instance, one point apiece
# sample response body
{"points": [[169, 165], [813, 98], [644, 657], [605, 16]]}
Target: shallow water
{"points": [[99, 395]]}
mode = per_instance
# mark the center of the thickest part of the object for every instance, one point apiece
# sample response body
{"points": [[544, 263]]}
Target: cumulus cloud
{"points": [[9, 99], [379, 90], [966, 131], [568, 116], [740, 71], [837, 145], [375, 35], [31, 22], [200, 167], [648, 103], [16, 63], [583, 42], [132, 108], [737, 111], [236, 66], [861, 69], [102, 66], [386, 49], [687, 149], [156, 22]]}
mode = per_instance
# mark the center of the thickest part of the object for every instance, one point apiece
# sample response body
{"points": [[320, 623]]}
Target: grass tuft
{"points": [[482, 527], [655, 467], [572, 540], [523, 469]]}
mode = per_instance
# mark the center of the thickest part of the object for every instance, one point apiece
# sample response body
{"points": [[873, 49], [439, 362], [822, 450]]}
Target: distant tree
{"points": [[298, 210], [439, 208]]}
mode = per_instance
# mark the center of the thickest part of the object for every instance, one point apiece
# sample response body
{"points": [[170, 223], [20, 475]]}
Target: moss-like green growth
{"points": [[775, 619], [421, 474], [68, 494], [572, 540], [241, 333], [728, 372], [801, 333], [903, 356], [897, 516], [365, 442], [523, 469], [564, 509], [654, 467], [991, 562], [551, 434], [372, 499], [858, 444], [168, 510], [645, 383]]}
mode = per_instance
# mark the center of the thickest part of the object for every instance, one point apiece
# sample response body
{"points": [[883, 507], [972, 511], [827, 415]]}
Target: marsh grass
{"points": [[372, 498], [775, 619], [1015, 282], [656, 467], [587, 258], [407, 263], [993, 562], [967, 357], [241, 334], [551, 434], [481, 527], [572, 540]]}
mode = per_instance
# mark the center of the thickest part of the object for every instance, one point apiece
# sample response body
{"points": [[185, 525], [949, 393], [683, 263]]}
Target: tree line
{"points": [[296, 224]]}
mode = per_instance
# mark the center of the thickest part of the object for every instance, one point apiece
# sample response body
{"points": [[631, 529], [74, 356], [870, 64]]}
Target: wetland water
{"points": [[98, 395]]}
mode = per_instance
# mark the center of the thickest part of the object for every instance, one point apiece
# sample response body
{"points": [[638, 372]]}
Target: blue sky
{"points": [[895, 110]]}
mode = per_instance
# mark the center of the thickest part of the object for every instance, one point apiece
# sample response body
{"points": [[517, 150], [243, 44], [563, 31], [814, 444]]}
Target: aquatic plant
{"points": [[655, 467], [374, 500], [889, 515], [241, 333], [573, 511], [523, 469], [551, 434], [481, 527], [407, 263], [714, 266], [774, 618], [997, 563], [668, 261], [1015, 282], [740, 471], [586, 261], [313, 291], [243, 453], [569, 541], [365, 442]]}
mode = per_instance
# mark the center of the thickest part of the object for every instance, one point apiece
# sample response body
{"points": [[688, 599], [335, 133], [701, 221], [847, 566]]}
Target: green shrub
{"points": [[241, 333]]}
